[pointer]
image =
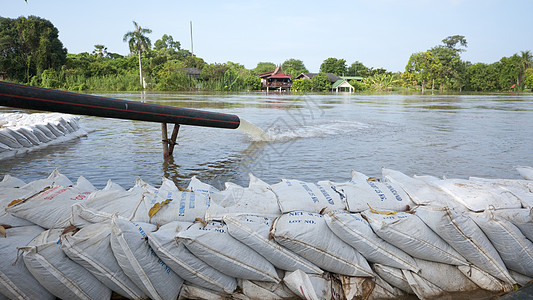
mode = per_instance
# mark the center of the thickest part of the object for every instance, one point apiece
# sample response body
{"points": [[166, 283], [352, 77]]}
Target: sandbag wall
{"points": [[20, 133], [365, 238]]}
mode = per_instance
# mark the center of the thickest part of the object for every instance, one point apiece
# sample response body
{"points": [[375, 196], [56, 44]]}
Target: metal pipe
{"points": [[23, 96]]}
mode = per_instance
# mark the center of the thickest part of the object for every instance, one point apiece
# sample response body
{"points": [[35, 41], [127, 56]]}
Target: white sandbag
{"points": [[253, 231], [521, 279], [12, 195], [262, 290], [19, 137], [368, 288], [409, 233], [475, 195], [184, 263], [356, 232], [51, 207], [465, 237], [11, 182], [191, 291], [526, 172], [16, 282], [90, 247], [214, 245], [393, 276], [310, 286], [168, 204], [8, 140], [521, 218], [308, 235], [295, 195], [140, 263], [234, 200], [363, 192], [57, 273], [484, 280], [197, 186], [514, 248], [422, 288], [445, 276], [420, 192], [522, 189]]}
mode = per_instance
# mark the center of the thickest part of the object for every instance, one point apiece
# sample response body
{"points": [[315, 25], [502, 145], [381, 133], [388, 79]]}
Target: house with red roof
{"points": [[275, 80]]}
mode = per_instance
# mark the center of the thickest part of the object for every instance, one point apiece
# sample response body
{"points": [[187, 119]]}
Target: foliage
{"points": [[529, 78], [483, 77], [357, 69], [294, 67], [302, 85], [333, 65], [358, 85], [380, 82], [263, 67], [320, 83], [28, 46], [423, 67]]}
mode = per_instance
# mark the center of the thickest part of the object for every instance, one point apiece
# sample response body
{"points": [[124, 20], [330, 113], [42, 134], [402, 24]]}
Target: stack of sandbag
{"points": [[365, 238], [21, 133]]}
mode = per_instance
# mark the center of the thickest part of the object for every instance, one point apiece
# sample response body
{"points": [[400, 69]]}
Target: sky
{"points": [[378, 33]]}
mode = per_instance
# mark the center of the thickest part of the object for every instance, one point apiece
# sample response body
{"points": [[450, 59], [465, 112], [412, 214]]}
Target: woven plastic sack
{"points": [[140, 263], [308, 235], [57, 273], [467, 238], [393, 276], [295, 195], [521, 218], [214, 245], [253, 231], [16, 282], [90, 247], [184, 263], [234, 200], [526, 172], [355, 231], [409, 233]]}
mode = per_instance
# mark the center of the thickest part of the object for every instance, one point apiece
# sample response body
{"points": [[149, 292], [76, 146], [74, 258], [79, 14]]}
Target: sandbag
{"points": [[90, 247], [393, 276], [253, 231], [184, 263], [168, 203], [313, 286], [526, 172], [11, 182], [484, 280], [214, 245], [356, 232], [262, 290], [422, 287], [514, 248], [16, 282], [465, 237], [51, 207], [420, 192], [363, 192], [294, 195], [234, 200], [368, 288], [197, 186], [521, 218], [522, 189], [125, 203], [57, 273], [140, 263], [446, 277], [308, 235], [407, 232], [475, 195]]}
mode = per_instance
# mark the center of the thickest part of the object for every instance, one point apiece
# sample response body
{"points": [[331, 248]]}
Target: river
{"points": [[311, 138]]}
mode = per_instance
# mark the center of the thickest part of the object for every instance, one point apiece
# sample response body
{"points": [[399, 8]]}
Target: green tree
{"points": [[451, 42], [452, 72], [529, 79], [263, 67], [424, 66], [483, 77], [294, 67], [333, 65], [139, 43], [526, 61], [167, 43], [28, 46], [302, 85], [508, 69], [357, 69], [100, 50], [320, 82]]}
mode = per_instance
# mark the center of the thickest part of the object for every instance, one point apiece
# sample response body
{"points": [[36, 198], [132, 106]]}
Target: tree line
{"points": [[31, 53]]}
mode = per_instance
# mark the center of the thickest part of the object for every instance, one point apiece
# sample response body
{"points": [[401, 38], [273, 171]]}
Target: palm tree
{"points": [[526, 61], [139, 42]]}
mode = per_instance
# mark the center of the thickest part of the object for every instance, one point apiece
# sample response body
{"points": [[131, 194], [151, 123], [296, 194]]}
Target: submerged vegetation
{"points": [[31, 53]]}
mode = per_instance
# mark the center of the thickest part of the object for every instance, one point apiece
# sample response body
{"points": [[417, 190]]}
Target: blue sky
{"points": [[378, 33]]}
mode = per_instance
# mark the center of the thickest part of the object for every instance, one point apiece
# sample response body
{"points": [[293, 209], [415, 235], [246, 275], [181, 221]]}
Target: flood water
{"points": [[310, 137]]}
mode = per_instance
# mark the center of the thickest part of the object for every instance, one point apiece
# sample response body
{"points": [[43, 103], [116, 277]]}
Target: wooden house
{"points": [[275, 80]]}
